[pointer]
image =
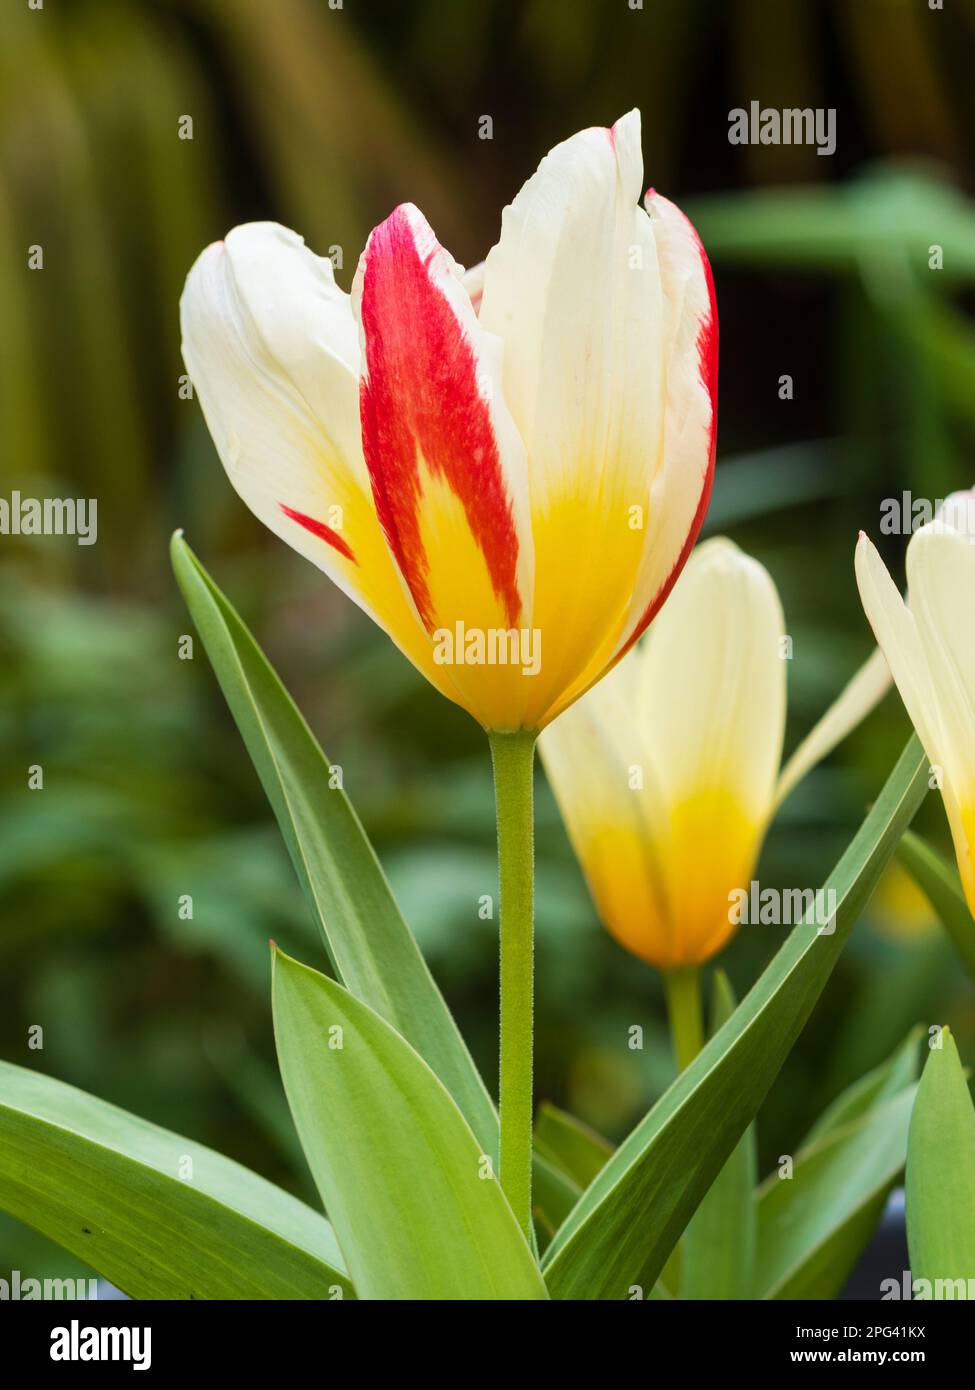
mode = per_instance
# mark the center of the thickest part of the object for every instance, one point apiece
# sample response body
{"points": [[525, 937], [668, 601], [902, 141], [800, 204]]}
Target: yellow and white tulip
{"points": [[526, 449], [928, 643], [667, 772]]}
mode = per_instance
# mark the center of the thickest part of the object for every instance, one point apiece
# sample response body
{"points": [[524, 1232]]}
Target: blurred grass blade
{"points": [[718, 1249], [399, 1170], [939, 882], [629, 1219], [578, 1151], [814, 1225], [837, 229], [941, 1174], [156, 1214], [880, 1084], [370, 945]]}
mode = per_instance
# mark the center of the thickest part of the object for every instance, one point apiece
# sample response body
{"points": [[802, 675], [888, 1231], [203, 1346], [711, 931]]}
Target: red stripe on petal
{"points": [[419, 398], [319, 529]]}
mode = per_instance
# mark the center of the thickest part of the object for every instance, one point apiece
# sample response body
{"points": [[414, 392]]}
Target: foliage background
{"points": [[325, 119]]}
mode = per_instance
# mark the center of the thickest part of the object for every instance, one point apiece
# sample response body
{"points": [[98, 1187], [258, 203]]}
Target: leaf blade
{"points": [[370, 945], [814, 1225], [939, 882], [718, 1247], [67, 1160], [940, 1185], [578, 1151], [398, 1167], [627, 1221]]}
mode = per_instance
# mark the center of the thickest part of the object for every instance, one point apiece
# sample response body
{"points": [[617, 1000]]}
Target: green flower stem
{"points": [[513, 758], [684, 1010]]}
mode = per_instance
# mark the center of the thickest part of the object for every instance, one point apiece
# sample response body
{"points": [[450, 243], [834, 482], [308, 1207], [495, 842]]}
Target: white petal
{"points": [[930, 654], [573, 288], [681, 484], [941, 582], [958, 512], [896, 631], [591, 754], [714, 682], [272, 350]]}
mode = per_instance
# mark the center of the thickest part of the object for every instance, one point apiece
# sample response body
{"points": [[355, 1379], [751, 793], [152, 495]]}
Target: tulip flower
{"points": [[667, 772], [506, 468], [928, 644]]}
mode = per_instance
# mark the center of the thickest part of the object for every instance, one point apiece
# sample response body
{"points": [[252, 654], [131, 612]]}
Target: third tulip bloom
{"points": [[505, 468], [928, 643]]}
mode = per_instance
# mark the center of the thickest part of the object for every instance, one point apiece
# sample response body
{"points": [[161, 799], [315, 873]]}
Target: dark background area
{"points": [[325, 119]]}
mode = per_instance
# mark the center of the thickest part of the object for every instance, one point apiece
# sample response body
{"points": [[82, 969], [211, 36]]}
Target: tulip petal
{"points": [[273, 351], [447, 466], [665, 769], [713, 710], [601, 772], [473, 282], [439, 444], [941, 582], [895, 628], [931, 662], [681, 488], [574, 288]]}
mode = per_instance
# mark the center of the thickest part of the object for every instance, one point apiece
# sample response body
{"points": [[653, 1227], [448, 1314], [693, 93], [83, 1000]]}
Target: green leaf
{"points": [[570, 1145], [718, 1249], [371, 947], [814, 1225], [415, 1211], [554, 1194], [939, 882], [831, 229], [940, 1182], [630, 1217], [158, 1215], [881, 1083]]}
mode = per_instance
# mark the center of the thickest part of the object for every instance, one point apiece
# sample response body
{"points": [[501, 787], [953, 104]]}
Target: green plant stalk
{"points": [[684, 1012], [513, 757]]}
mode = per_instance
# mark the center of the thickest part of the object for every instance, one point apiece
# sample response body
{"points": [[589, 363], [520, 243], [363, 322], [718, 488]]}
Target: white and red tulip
{"points": [[527, 447]]}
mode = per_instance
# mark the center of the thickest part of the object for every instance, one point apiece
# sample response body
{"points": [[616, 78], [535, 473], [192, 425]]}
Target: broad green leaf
{"points": [[814, 1225], [939, 882], [371, 947], [718, 1248], [940, 1184], [571, 1145], [630, 1217], [881, 1083], [158, 1215], [417, 1211]]}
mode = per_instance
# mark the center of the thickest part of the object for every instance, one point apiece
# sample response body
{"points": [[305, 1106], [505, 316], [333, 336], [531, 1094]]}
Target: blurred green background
{"points": [[324, 119]]}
